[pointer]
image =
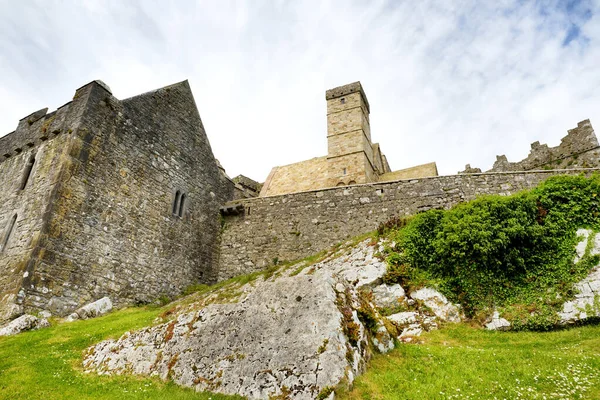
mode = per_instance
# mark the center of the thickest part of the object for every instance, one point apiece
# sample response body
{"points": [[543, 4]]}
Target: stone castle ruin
{"points": [[124, 198], [351, 156]]}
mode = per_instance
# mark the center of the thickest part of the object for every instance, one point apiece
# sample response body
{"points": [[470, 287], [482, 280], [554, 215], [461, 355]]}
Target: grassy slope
{"points": [[465, 363], [45, 364]]}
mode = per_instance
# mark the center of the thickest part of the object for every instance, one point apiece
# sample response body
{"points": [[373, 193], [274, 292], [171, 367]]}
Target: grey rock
{"points": [[23, 323], [287, 331], [438, 303], [403, 318], [388, 295], [497, 323], [582, 244], [382, 341], [586, 302], [92, 310]]}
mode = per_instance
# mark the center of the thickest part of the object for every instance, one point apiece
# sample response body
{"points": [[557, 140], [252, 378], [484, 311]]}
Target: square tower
{"points": [[350, 156]]}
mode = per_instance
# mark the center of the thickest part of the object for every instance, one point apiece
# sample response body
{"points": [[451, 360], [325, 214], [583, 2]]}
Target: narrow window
{"points": [[181, 205], [344, 171], [8, 232], [343, 100], [27, 172], [176, 202]]}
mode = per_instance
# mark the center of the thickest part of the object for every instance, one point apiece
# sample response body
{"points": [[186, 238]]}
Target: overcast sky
{"points": [[454, 82]]}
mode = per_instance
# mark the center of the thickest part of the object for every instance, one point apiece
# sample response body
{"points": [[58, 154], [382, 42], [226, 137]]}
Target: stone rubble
{"points": [[294, 334], [91, 310], [24, 323]]}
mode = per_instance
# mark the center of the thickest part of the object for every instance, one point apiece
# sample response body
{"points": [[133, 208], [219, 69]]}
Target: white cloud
{"points": [[455, 82]]}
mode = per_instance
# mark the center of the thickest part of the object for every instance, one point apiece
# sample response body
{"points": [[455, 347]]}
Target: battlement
{"points": [[40, 126], [345, 90], [579, 149], [32, 130]]}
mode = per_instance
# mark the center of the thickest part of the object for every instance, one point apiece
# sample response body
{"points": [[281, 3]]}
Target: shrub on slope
{"points": [[513, 252]]}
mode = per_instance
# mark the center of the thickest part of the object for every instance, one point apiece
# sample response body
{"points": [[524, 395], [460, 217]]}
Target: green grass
{"points": [[46, 364], [460, 362]]}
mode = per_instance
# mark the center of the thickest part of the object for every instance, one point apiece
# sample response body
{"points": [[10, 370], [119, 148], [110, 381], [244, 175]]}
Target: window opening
{"points": [[8, 232], [181, 204], [176, 202], [343, 100], [344, 171], [27, 172]]}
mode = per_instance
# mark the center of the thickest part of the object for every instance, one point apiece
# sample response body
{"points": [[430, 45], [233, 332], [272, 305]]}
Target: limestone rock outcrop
{"points": [[587, 300], [586, 303], [24, 323], [296, 333], [438, 303]]}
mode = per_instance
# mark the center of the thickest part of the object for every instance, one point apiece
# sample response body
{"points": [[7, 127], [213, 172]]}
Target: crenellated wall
{"points": [[296, 225], [98, 216], [31, 162], [579, 149]]}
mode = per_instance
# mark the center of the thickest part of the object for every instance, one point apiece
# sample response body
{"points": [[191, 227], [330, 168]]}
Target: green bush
{"points": [[501, 250]]}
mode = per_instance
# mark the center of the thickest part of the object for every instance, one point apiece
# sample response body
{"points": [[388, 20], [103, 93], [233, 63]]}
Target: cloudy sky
{"points": [[454, 82]]}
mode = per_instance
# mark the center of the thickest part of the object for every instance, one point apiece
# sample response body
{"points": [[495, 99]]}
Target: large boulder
{"points": [[92, 310], [23, 323]]}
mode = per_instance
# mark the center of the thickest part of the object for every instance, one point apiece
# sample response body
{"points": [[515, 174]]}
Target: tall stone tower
{"points": [[350, 157]]}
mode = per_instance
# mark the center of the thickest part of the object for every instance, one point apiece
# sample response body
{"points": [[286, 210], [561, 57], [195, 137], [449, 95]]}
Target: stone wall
{"points": [[297, 177], [293, 226], [579, 149], [31, 160], [419, 171], [110, 227]]}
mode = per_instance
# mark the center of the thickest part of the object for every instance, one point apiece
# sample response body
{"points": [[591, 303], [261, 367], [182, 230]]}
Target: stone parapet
{"points": [[294, 226], [340, 91]]}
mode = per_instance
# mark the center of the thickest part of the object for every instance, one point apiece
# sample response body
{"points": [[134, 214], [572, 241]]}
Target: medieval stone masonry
{"points": [[351, 156], [108, 197], [124, 198]]}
